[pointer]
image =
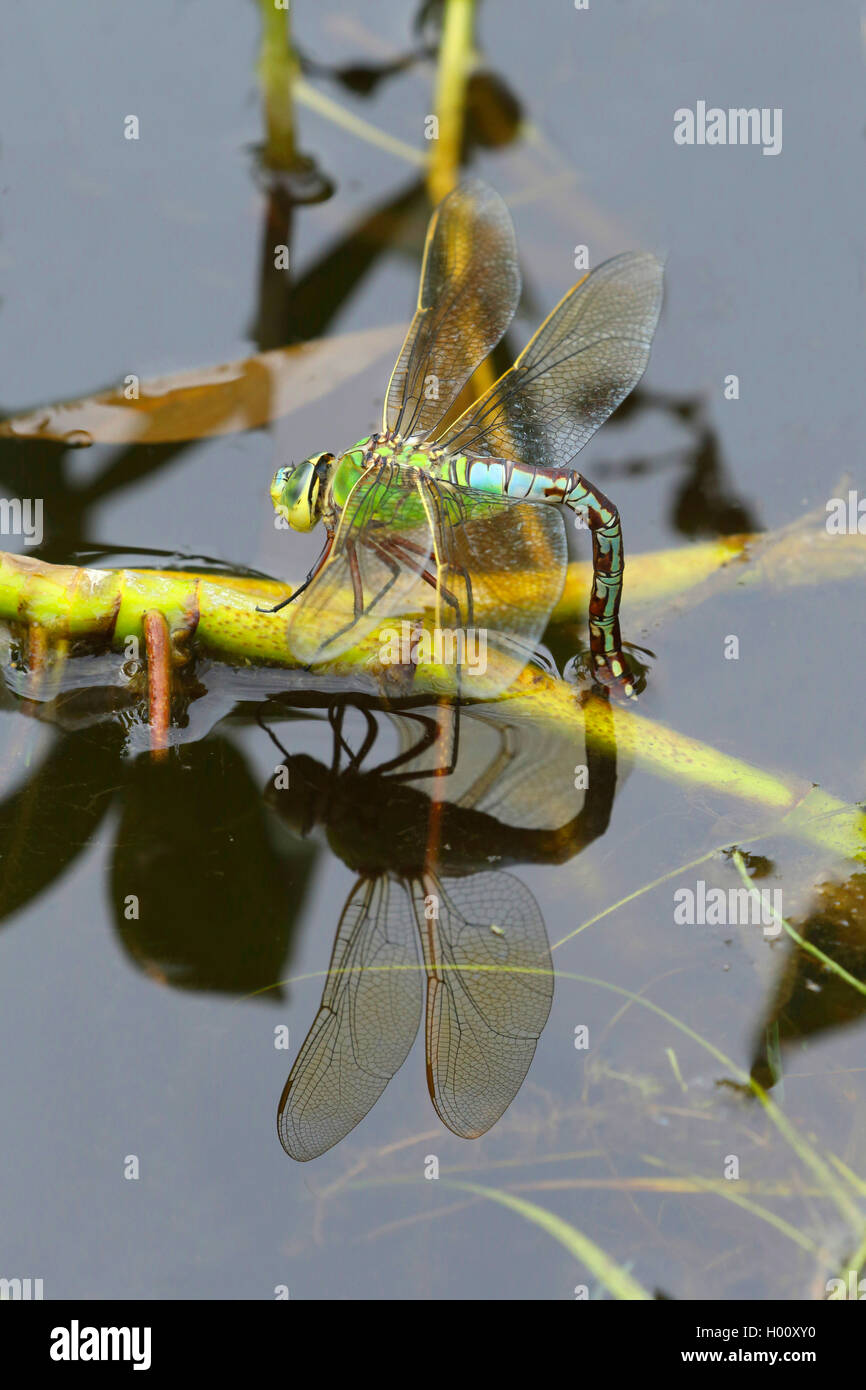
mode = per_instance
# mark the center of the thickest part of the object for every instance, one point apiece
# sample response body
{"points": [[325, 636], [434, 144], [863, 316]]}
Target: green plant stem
{"points": [[221, 612], [456, 55], [277, 70]]}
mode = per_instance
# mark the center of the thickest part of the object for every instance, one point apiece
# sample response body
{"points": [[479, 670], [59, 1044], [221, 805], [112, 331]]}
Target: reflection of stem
{"points": [[46, 658], [277, 68], [444, 752], [456, 54], [331, 110]]}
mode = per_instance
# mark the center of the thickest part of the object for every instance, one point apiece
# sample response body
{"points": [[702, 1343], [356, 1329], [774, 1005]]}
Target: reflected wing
{"points": [[365, 1027], [488, 995], [470, 285], [504, 769], [582, 362], [409, 545]]}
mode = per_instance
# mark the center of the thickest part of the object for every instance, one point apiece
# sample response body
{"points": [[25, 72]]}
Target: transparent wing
{"points": [[583, 361], [503, 770], [366, 1024], [454, 559], [368, 578], [489, 992], [470, 285]]}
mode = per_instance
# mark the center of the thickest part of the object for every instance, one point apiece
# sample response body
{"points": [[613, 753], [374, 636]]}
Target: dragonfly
{"points": [[448, 519]]}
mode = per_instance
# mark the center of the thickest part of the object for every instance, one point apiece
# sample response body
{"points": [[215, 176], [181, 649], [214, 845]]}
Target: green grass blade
{"points": [[605, 1269]]}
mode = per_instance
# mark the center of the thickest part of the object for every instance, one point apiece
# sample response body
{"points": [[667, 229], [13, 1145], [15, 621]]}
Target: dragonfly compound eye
{"points": [[297, 491]]}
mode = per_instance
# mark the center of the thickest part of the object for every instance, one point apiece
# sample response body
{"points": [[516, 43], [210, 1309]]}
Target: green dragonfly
{"points": [[440, 517]]}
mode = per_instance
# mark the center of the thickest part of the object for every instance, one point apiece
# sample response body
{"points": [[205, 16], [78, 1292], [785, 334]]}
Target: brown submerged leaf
{"points": [[207, 401]]}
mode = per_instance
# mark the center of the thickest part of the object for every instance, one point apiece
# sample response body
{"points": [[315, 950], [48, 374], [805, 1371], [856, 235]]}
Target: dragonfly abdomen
{"points": [[519, 481]]}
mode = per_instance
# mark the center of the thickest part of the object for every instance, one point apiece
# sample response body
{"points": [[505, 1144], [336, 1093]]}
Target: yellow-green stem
{"points": [[456, 55], [222, 613], [277, 68]]}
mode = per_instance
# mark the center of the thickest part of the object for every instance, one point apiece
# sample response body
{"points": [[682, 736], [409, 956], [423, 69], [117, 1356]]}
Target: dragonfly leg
{"points": [[296, 593], [336, 713], [605, 644], [407, 555], [441, 769]]}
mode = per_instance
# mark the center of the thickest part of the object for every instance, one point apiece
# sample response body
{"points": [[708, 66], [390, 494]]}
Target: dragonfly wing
{"points": [[365, 1027], [470, 285], [583, 361], [501, 567], [368, 579], [409, 544], [489, 992]]}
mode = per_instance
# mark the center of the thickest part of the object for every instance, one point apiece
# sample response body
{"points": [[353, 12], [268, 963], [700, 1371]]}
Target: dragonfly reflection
{"points": [[425, 877]]}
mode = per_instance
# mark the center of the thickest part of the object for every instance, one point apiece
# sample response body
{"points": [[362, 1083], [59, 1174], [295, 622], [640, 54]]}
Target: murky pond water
{"points": [[552, 951]]}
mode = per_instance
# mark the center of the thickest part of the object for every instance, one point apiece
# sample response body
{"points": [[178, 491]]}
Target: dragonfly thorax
{"points": [[317, 488], [391, 447]]}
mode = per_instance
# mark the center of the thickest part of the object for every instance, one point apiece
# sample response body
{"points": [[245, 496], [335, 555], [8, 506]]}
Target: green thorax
{"points": [[378, 449]]}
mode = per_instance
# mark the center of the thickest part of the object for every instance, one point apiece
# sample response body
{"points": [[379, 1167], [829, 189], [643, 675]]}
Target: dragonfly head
{"points": [[298, 491]]}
